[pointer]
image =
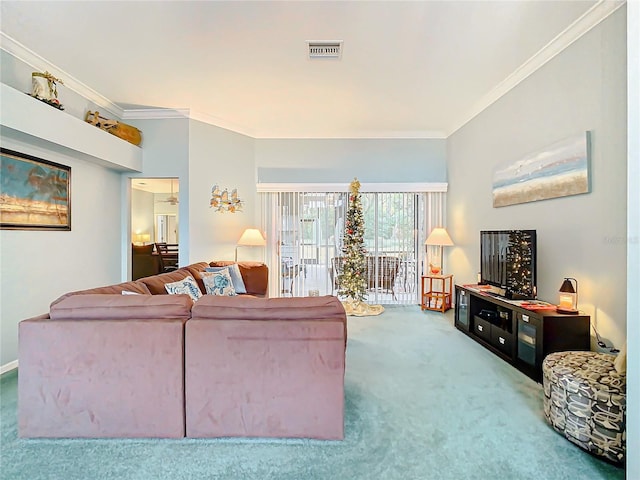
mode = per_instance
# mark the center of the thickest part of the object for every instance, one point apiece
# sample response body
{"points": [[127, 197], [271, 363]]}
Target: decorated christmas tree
{"points": [[519, 261], [352, 281]]}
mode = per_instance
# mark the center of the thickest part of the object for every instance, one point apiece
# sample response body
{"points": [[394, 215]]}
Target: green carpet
{"points": [[423, 401]]}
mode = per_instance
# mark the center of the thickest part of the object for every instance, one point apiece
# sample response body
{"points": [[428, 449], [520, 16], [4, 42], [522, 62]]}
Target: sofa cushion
{"points": [[156, 283], [326, 308], [620, 363], [185, 286], [135, 287], [255, 275], [101, 377], [245, 307], [284, 377], [219, 283], [124, 307], [234, 273]]}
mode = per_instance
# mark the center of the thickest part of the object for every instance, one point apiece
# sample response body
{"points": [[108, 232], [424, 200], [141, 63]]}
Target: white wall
{"points": [[583, 88], [200, 155], [339, 160], [219, 156], [142, 213], [36, 267], [633, 256]]}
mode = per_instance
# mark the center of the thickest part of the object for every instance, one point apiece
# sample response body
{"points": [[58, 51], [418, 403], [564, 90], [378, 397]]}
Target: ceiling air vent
{"points": [[325, 49]]}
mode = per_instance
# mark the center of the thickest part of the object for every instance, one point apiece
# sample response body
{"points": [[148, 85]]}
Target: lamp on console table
{"points": [[250, 238], [568, 296], [141, 238], [441, 238]]}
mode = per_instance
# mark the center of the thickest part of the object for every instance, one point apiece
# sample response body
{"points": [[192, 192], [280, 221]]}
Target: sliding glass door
{"points": [[392, 226], [308, 229]]}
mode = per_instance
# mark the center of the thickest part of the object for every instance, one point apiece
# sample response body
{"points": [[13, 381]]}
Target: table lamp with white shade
{"points": [[141, 238], [250, 238], [438, 237]]}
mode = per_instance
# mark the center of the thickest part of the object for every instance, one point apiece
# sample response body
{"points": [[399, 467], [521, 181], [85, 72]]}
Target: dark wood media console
{"points": [[520, 336]]}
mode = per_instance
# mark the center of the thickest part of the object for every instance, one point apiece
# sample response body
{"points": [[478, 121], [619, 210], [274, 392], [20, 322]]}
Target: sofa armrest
{"points": [[135, 287]]}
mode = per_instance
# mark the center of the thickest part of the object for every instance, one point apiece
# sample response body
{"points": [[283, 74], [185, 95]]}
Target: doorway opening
{"points": [[154, 221]]}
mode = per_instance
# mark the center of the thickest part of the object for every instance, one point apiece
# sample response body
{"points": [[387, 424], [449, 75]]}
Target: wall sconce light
{"points": [[568, 296], [225, 202], [250, 238], [441, 238]]}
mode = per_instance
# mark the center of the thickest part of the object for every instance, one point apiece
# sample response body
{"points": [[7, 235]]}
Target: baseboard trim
{"points": [[7, 367]]}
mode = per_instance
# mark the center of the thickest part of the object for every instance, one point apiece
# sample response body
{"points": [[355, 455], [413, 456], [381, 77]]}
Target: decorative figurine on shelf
{"points": [[114, 127], [43, 87]]}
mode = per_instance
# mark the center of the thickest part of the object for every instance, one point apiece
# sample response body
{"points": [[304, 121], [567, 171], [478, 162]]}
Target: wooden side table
{"points": [[436, 292]]}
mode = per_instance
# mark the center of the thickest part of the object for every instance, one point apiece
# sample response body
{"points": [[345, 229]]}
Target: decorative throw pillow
{"points": [[236, 276], [187, 285], [218, 283], [620, 363]]}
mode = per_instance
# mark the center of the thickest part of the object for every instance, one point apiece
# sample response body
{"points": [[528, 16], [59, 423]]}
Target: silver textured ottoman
{"points": [[585, 400]]}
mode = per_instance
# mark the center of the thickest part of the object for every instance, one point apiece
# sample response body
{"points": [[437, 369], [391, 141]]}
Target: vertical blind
{"points": [[305, 234]]}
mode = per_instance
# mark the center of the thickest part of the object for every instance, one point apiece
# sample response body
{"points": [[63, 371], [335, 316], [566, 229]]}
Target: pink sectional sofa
{"points": [[265, 367], [104, 364]]}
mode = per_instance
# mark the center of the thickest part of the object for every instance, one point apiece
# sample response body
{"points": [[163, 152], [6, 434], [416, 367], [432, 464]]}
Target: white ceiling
{"points": [[408, 69]]}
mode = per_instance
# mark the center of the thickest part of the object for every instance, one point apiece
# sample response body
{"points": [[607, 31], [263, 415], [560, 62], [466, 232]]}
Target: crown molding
{"points": [[364, 134], [406, 187], [31, 58], [219, 122], [154, 113], [564, 39], [165, 113]]}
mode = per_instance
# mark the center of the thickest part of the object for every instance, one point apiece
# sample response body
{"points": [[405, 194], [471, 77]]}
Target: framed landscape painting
{"points": [[559, 170], [34, 193]]}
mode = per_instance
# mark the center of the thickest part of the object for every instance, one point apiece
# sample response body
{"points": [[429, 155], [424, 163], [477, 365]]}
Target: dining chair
{"points": [[168, 256]]}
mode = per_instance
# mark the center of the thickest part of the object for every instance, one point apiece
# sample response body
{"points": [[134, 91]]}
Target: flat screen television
{"points": [[508, 262]]}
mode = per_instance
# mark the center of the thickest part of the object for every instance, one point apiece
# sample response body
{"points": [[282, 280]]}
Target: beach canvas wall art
{"points": [[558, 170], [34, 193]]}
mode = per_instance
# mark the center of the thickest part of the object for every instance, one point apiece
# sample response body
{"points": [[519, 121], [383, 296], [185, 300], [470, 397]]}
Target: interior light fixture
{"points": [[568, 296], [141, 238], [438, 237], [252, 237]]}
